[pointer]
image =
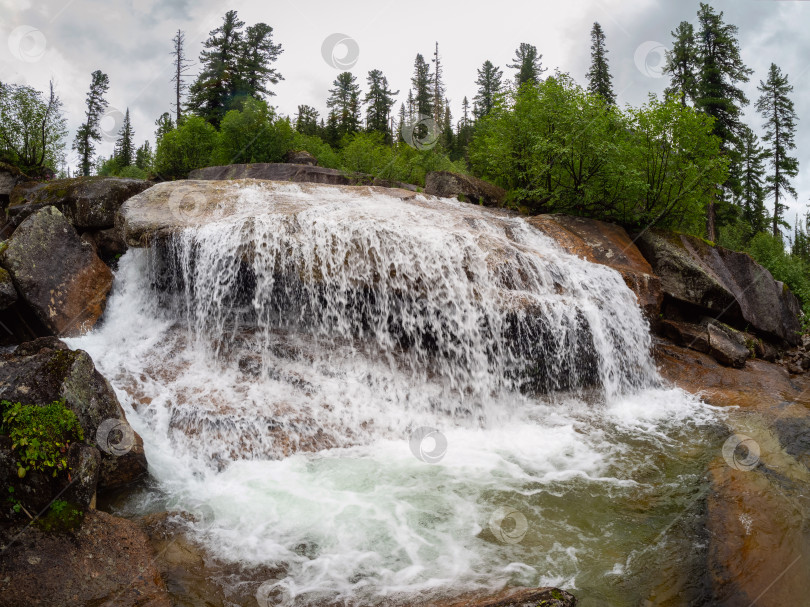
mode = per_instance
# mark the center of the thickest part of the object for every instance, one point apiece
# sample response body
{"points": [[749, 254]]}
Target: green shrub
{"points": [[40, 435], [185, 148], [61, 516], [253, 134], [323, 152]]}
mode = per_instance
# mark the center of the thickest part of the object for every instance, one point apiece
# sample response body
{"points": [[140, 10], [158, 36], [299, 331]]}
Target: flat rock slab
{"points": [[517, 597], [107, 562], [88, 203], [59, 277]]}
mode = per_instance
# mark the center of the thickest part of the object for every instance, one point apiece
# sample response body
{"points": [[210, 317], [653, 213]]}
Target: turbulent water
{"points": [[381, 399]]}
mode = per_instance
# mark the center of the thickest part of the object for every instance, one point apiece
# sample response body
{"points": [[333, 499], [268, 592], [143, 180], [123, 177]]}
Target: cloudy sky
{"points": [[130, 40]]}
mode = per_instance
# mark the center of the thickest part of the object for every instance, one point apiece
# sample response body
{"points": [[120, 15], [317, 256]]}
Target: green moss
{"points": [[40, 435], [60, 362], [61, 516]]}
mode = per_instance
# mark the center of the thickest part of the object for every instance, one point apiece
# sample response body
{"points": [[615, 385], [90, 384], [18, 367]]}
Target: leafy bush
{"points": [[253, 134], [323, 152], [557, 148], [41, 435], [61, 516], [185, 148]]}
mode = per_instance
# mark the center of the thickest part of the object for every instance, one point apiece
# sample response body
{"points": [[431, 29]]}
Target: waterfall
{"points": [[280, 359]]}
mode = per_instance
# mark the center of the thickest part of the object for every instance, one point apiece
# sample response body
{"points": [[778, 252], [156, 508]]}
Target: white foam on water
{"points": [[340, 324]]}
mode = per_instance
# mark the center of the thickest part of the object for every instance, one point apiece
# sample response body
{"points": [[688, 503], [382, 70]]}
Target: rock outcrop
{"points": [[606, 244], [88, 203], [58, 276], [46, 370], [726, 345], [700, 279], [517, 597], [10, 177], [107, 562], [466, 188], [301, 157], [297, 173]]}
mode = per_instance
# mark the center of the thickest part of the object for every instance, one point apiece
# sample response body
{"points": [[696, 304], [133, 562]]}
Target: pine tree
{"points": [[88, 132], [489, 85], [344, 101], [181, 65], [164, 124], [421, 80], [720, 70], [438, 88], [379, 101], [125, 146], [144, 156], [256, 55], [776, 108], [211, 93], [306, 120], [447, 127], [528, 64], [599, 76], [752, 199], [411, 105], [682, 65], [403, 120]]}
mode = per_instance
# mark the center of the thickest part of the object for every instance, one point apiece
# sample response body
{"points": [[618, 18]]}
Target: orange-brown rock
{"points": [[516, 597], [61, 278], [106, 562], [609, 245]]}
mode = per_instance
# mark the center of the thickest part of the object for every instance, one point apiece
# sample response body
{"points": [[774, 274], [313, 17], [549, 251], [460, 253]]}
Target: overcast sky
{"points": [[130, 40]]}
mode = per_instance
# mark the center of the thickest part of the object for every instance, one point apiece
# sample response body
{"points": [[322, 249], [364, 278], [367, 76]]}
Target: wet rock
{"points": [[8, 294], [729, 286], [84, 462], [606, 244], [689, 335], [725, 345], [109, 244], [301, 157], [88, 203], [107, 562], [46, 370], [59, 277], [520, 597], [466, 188]]}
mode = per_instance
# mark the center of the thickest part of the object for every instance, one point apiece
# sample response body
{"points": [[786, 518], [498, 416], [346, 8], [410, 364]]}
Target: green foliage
{"points": [[41, 435], [32, 128], [557, 148], [323, 152], [253, 134], [185, 148], [61, 516]]}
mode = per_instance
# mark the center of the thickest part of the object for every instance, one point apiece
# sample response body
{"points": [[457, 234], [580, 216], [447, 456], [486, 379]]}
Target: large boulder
{"points": [[606, 244], [301, 157], [516, 597], [107, 562], [59, 277], [46, 370], [10, 177], [447, 184], [88, 203], [8, 294], [701, 279]]}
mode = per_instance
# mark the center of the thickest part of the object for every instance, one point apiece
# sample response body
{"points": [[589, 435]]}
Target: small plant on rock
{"points": [[40, 435]]}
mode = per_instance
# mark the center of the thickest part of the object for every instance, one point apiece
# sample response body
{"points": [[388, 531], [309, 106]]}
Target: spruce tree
{"points": [[306, 120], [257, 53], [528, 63], [776, 107], [211, 93], [720, 70], [125, 146], [144, 156], [164, 124], [181, 65], [438, 88], [421, 81], [88, 132], [752, 199], [599, 76], [344, 101], [682, 65], [489, 85], [379, 100]]}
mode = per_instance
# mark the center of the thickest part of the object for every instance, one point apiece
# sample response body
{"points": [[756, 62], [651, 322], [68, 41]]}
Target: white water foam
{"points": [[340, 324]]}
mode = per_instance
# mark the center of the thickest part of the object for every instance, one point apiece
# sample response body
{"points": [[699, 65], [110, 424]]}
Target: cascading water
{"points": [[282, 363]]}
